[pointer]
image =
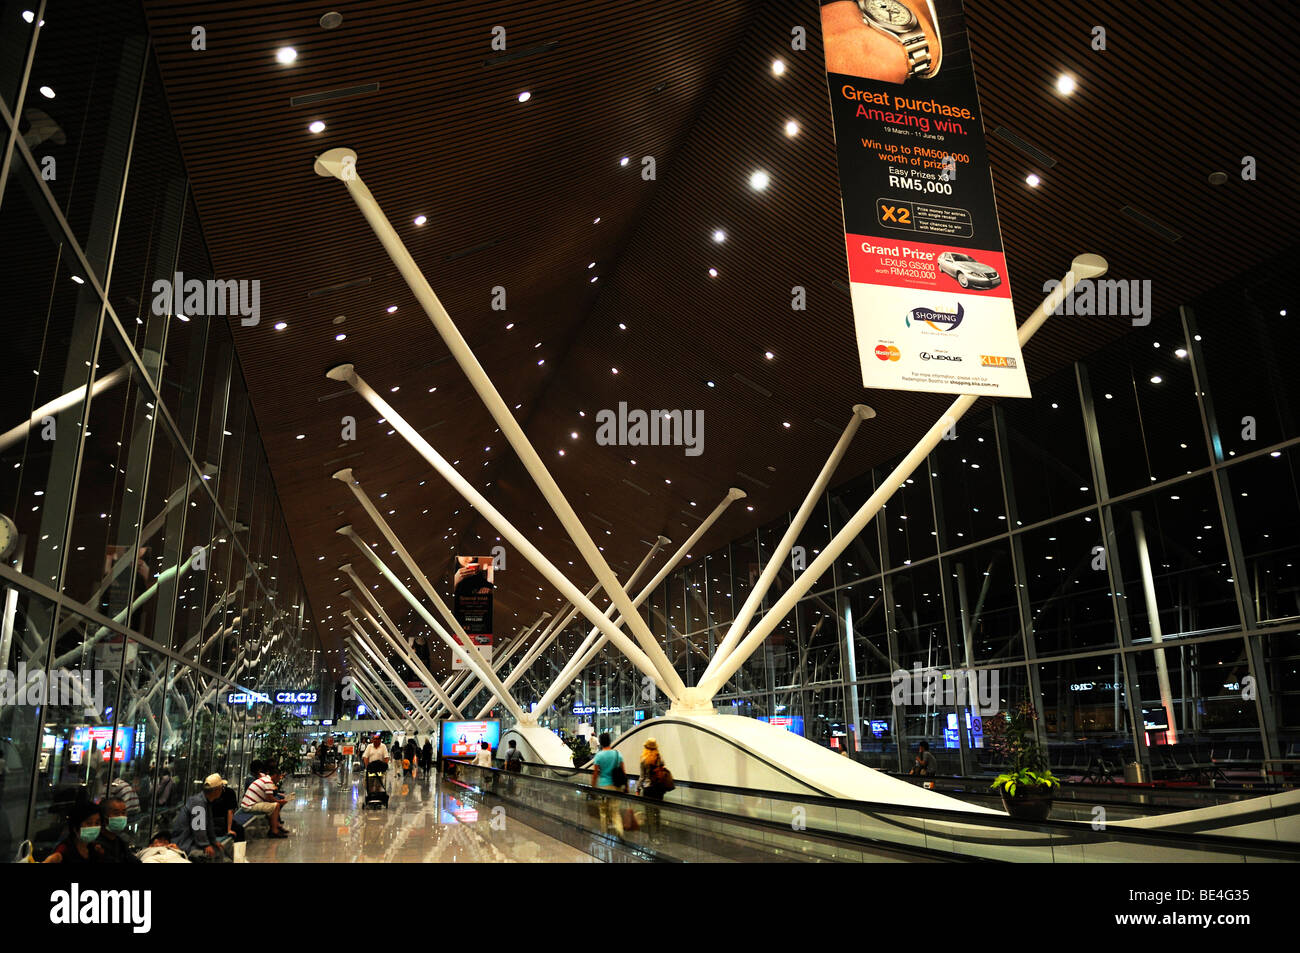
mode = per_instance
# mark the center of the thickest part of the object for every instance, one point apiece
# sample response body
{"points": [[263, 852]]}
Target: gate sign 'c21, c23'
{"points": [[927, 274]]}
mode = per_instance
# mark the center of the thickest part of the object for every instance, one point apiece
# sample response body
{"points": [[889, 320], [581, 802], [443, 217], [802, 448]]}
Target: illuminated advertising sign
{"points": [[975, 724], [472, 586], [282, 697], [103, 742], [461, 739], [792, 723], [927, 273]]}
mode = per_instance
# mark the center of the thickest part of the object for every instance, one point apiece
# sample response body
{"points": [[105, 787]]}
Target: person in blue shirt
{"points": [[602, 776]]}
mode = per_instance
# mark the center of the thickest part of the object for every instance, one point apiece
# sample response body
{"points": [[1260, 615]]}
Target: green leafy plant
{"points": [[580, 748], [278, 736], [1011, 736]]}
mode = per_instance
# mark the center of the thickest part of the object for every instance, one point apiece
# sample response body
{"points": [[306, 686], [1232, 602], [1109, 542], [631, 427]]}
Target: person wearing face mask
{"points": [[79, 846], [113, 812]]}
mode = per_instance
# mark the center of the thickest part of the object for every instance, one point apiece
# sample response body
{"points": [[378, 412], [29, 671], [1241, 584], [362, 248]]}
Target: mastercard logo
{"points": [[887, 352]]}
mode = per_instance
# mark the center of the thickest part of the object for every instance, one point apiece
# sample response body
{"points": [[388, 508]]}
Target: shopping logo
{"points": [[75, 907], [939, 320], [198, 298], [651, 428], [60, 688], [954, 687], [1094, 297]]}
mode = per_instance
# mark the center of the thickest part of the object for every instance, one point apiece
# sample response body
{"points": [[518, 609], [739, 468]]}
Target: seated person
{"points": [[223, 810], [162, 851], [260, 799], [79, 845], [112, 837], [926, 764], [196, 830]]}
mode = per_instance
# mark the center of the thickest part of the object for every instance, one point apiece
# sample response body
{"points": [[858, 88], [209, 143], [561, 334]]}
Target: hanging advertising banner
{"points": [[472, 587], [931, 298]]}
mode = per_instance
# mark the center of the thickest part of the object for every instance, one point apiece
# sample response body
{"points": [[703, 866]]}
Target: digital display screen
{"points": [[1155, 719], [792, 723], [83, 738], [460, 739]]}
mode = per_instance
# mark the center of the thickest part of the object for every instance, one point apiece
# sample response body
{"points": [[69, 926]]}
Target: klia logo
{"points": [[939, 320]]}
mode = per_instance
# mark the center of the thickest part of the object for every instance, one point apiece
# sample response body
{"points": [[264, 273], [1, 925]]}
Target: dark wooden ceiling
{"points": [[512, 191]]}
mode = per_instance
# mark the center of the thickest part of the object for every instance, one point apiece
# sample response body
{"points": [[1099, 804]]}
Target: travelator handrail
{"points": [[834, 840], [1060, 833]]}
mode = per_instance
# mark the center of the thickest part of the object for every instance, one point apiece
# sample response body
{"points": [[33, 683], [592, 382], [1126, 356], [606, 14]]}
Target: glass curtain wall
{"points": [[1121, 550], [145, 570]]}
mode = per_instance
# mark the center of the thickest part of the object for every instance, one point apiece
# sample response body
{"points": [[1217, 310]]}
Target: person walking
{"points": [[655, 781], [606, 768], [426, 756]]}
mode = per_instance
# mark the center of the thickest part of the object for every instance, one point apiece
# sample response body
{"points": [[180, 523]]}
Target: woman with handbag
{"points": [[656, 781]]}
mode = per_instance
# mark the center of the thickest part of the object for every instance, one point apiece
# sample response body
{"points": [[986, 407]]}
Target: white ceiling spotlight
{"points": [[286, 55], [759, 180], [421, 219], [317, 127], [719, 235], [1032, 180], [778, 67], [47, 92], [792, 128], [1065, 84], [525, 96]]}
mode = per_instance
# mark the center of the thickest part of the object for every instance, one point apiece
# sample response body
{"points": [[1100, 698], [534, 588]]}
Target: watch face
{"points": [[888, 13]]}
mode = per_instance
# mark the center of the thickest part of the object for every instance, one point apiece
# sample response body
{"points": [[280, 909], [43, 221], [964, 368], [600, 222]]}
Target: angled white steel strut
{"points": [[659, 543], [345, 372], [498, 662], [341, 164], [474, 661], [393, 636], [777, 559], [421, 708], [591, 645], [387, 668], [480, 664], [701, 696]]}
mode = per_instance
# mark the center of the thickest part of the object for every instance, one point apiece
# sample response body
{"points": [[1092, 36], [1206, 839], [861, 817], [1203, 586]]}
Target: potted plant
{"points": [[1026, 789]]}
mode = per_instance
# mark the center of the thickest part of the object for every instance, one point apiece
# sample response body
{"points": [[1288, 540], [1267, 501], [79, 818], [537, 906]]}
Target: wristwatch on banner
{"points": [[898, 21]]}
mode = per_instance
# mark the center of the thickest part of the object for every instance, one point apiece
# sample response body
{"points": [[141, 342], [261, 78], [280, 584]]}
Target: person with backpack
{"points": [[656, 781], [607, 772]]}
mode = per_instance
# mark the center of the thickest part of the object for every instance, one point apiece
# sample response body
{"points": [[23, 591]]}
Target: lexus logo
{"points": [[927, 356]]}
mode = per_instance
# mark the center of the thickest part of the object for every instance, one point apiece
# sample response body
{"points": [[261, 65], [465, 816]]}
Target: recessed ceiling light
{"points": [[510, 325], [591, 266], [778, 67], [1156, 379], [421, 219], [596, 220], [29, 16], [286, 54], [525, 96], [392, 308], [301, 436], [713, 272], [573, 435], [395, 388], [1180, 352], [622, 326], [1065, 84], [280, 325], [719, 235], [1033, 180], [769, 355], [78, 279], [541, 362], [759, 180], [785, 424], [47, 92], [594, 278], [710, 384], [792, 128], [613, 370], [623, 161], [316, 127]]}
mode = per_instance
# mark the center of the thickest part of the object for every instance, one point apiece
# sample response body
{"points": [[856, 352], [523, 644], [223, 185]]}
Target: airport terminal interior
{"points": [[593, 432]]}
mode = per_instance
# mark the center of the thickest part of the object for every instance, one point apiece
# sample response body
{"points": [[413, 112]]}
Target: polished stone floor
{"points": [[426, 822]]}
